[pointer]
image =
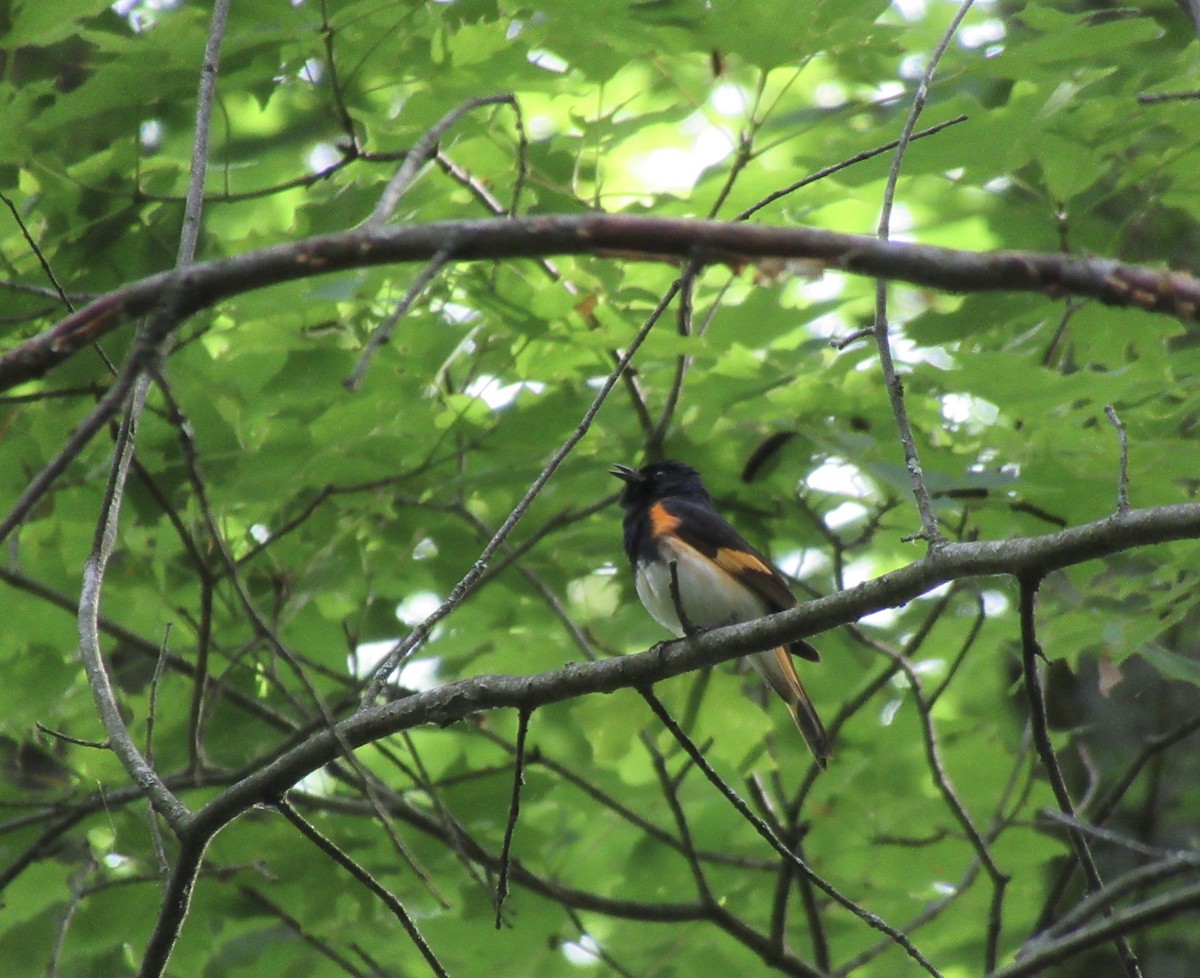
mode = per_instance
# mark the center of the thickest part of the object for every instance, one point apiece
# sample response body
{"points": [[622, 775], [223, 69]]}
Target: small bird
{"points": [[687, 559]]}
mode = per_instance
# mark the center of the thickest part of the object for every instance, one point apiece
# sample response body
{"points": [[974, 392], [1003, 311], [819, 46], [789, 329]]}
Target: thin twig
{"points": [[1153, 98], [791, 833], [197, 711], [422, 150], [190, 454], [44, 291], [1070, 307], [1175, 864], [658, 433], [872, 920], [1030, 652], [537, 758], [492, 203], [76, 888], [514, 811], [967, 643], [160, 850], [599, 951], [941, 779], [522, 158], [371, 787], [833, 168], [934, 909], [1104, 806], [895, 387], [194, 207], [322, 947], [68, 739], [106, 408], [382, 333], [37, 251], [455, 834], [1123, 462], [1153, 747], [345, 120], [670, 790], [327, 846], [1101, 834], [131, 640], [470, 580], [510, 557], [1114, 926]]}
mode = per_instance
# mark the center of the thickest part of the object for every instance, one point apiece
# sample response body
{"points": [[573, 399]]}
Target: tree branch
{"points": [[454, 701], [1031, 650], [202, 285], [119, 738], [471, 580], [423, 151], [1120, 922], [365, 878], [514, 812], [880, 329]]}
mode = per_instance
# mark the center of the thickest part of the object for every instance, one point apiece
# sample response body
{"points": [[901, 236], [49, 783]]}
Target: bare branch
{"points": [[1030, 652], [1123, 460], [383, 332], [454, 701], [649, 238], [828, 171], [194, 208], [423, 150], [160, 851], [761, 827], [941, 779], [892, 381], [1116, 925], [245, 702], [322, 947], [1154, 98], [670, 790], [174, 907], [514, 811], [119, 738], [37, 251], [366, 879], [472, 578], [106, 408], [1175, 864]]}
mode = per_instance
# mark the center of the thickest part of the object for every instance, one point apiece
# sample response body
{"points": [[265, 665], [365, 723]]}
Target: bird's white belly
{"points": [[709, 596]]}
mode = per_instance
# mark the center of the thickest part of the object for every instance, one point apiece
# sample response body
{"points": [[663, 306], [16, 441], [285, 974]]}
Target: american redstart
{"points": [[687, 559]]}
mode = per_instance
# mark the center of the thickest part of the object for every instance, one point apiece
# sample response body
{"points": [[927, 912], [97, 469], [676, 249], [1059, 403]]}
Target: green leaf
{"points": [[1173, 665], [279, 531]]}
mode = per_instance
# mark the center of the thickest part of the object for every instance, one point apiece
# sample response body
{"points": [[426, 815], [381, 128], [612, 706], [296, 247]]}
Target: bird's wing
{"points": [[699, 526]]}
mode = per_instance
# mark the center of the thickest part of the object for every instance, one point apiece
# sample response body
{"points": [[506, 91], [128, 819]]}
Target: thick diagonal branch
{"points": [[454, 701]]}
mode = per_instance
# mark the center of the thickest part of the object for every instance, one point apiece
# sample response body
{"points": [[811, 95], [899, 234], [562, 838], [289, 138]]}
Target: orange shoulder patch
{"points": [[754, 572], [737, 561], [661, 522]]}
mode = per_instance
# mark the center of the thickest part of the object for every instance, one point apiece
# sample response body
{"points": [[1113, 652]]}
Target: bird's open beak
{"points": [[624, 473]]}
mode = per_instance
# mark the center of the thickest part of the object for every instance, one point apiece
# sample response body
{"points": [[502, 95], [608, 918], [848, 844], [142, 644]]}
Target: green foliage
{"points": [[339, 507]]}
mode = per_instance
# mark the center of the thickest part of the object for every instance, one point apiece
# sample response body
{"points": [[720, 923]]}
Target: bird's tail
{"points": [[777, 668], [811, 728]]}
